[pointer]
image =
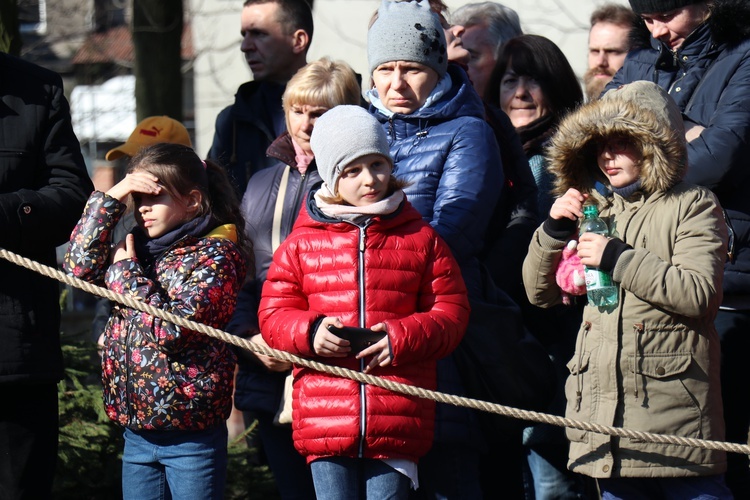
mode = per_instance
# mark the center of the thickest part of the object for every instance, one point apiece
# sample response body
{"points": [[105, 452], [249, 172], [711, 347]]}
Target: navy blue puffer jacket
{"points": [[449, 154]]}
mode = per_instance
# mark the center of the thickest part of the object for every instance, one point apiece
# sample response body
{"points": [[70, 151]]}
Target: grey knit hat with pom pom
{"points": [[407, 31]]}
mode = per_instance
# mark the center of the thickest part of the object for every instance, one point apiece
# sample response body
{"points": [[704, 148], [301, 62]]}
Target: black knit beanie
{"points": [[658, 6]]}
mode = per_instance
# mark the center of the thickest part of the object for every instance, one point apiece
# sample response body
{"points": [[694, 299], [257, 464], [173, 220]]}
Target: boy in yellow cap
{"points": [[151, 130]]}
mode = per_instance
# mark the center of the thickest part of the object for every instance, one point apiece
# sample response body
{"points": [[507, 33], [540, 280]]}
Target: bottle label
{"points": [[597, 279]]}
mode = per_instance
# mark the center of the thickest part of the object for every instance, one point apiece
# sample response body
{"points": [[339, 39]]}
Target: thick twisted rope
{"points": [[410, 390]]}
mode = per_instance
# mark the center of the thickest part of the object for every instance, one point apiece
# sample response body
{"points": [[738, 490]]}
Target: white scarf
{"points": [[353, 214]]}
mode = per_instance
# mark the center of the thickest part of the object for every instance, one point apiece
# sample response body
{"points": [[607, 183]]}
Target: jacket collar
{"points": [[435, 98], [283, 150], [259, 103], [312, 216], [224, 232], [460, 100]]}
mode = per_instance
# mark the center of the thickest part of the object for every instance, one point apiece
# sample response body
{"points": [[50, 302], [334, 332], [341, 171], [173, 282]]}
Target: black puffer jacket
{"points": [[43, 187]]}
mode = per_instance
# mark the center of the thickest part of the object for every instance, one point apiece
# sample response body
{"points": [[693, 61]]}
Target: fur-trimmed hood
{"points": [[728, 23], [641, 110]]}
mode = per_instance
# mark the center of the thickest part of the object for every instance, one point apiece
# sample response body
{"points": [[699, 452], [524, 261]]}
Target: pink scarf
{"points": [[301, 157]]}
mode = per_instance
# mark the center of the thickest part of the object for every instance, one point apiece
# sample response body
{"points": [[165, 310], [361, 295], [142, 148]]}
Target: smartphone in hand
{"points": [[359, 338]]}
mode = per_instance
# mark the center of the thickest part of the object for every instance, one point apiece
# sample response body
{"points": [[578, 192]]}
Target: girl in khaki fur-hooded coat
{"points": [[652, 362]]}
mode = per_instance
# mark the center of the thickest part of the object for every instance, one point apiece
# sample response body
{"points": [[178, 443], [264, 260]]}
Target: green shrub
{"points": [[89, 458], [90, 454]]}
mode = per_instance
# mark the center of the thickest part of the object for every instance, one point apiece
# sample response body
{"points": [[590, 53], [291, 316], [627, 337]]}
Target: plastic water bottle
{"points": [[600, 289]]}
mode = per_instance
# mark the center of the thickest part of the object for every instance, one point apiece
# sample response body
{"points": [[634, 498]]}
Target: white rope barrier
{"points": [[476, 404]]}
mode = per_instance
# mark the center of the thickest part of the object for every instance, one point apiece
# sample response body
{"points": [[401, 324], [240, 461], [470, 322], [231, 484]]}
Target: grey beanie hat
{"points": [[658, 6], [407, 31], [343, 134]]}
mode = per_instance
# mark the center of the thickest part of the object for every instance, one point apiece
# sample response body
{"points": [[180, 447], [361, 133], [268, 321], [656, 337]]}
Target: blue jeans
{"points": [[174, 464], [670, 488], [357, 478]]}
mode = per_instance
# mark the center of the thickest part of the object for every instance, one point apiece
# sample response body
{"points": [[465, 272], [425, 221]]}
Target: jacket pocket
{"points": [[578, 394], [668, 388], [16, 169]]}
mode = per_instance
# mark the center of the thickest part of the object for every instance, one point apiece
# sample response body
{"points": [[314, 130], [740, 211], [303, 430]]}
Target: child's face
{"points": [[301, 119], [365, 180], [619, 160], [157, 214]]}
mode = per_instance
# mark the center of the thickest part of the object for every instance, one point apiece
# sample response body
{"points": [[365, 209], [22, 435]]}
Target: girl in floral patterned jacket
{"points": [[168, 386]]}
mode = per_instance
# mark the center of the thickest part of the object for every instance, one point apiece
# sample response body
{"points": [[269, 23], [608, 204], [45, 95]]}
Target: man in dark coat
{"points": [[700, 52], [276, 35], [43, 187]]}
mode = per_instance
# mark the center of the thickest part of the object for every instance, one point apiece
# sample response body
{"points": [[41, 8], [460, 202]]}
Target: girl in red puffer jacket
{"points": [[360, 255]]}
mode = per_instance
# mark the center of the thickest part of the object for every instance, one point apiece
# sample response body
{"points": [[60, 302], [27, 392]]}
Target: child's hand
{"points": [[590, 248], [380, 351], [271, 364], [327, 344], [135, 182], [568, 206], [124, 250]]}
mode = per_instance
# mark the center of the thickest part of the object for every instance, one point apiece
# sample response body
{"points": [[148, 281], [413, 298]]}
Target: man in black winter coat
{"points": [[43, 188], [276, 35]]}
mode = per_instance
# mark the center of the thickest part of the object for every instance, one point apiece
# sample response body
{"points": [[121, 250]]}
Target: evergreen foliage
{"points": [[89, 458]]}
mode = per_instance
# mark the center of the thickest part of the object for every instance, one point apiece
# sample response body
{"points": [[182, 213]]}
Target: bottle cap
{"points": [[590, 211]]}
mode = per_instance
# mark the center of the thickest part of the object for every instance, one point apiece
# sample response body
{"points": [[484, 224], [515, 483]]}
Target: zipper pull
{"points": [[638, 329]]}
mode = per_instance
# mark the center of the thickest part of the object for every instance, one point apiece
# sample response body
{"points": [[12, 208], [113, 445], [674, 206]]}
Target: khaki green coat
{"points": [[651, 363]]}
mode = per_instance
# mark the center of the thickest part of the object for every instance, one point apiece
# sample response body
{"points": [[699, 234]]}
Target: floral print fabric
{"points": [[158, 375]]}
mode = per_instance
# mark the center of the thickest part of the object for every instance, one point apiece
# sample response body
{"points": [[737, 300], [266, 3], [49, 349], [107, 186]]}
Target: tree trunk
{"points": [[157, 37]]}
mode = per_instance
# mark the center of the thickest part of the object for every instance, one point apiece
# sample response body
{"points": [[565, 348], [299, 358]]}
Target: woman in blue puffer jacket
{"points": [[442, 146]]}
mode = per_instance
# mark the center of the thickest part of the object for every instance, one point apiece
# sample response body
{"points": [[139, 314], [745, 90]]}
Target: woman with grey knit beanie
{"points": [[442, 146]]}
